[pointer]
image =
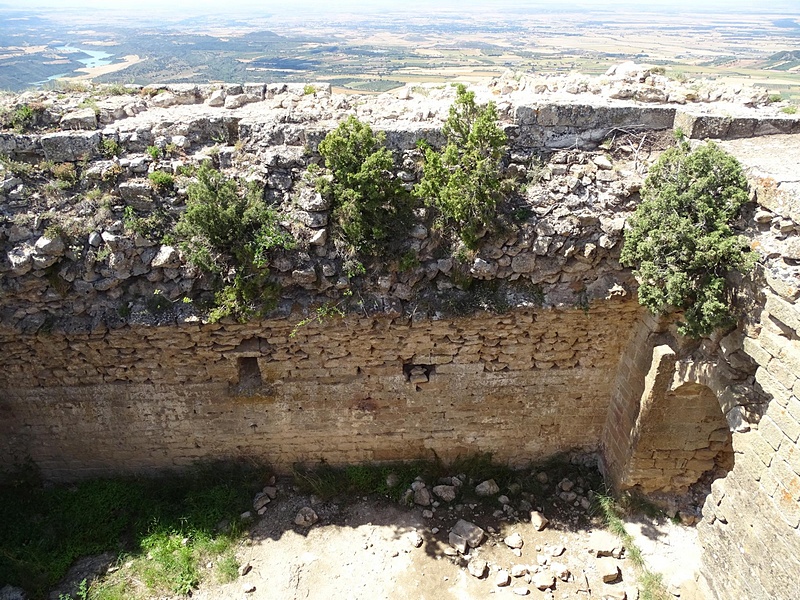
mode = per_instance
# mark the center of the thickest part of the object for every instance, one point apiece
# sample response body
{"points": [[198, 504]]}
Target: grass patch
{"points": [[164, 529], [651, 586], [329, 482]]}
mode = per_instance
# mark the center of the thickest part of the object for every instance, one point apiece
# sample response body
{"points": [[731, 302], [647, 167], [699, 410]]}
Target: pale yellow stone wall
{"points": [[523, 386], [750, 527]]}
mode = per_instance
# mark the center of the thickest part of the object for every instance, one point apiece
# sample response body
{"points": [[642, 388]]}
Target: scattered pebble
{"points": [[477, 567], [538, 520], [521, 591], [543, 580], [502, 579], [608, 569], [519, 570], [306, 517], [487, 488]]}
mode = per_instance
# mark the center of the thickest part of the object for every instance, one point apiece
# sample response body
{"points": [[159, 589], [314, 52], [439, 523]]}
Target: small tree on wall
{"points": [[370, 206], [229, 232], [680, 240], [463, 182]]}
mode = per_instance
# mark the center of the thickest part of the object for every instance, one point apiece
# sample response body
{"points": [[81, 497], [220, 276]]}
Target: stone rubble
{"points": [[306, 517], [502, 579], [577, 200], [514, 541], [487, 488], [608, 569], [538, 520], [477, 567]]}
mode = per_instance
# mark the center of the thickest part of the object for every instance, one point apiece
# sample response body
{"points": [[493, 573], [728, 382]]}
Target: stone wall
{"points": [[674, 405], [750, 520], [553, 355], [522, 386]]}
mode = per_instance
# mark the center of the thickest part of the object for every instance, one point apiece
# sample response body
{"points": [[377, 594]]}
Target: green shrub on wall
{"points": [[370, 207], [463, 182], [229, 233], [680, 239]]}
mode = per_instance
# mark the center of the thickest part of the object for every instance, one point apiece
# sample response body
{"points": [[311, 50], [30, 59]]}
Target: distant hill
{"points": [[785, 55], [785, 60]]}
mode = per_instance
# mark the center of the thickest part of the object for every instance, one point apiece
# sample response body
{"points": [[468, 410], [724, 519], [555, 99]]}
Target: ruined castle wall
{"points": [[523, 386], [619, 433], [87, 391], [750, 520]]}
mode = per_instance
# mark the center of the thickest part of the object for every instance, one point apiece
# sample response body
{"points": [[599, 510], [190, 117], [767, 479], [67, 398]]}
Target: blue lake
{"points": [[94, 58]]}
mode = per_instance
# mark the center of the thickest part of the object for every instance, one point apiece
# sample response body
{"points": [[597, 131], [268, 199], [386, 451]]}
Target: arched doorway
{"points": [[684, 436], [680, 432]]}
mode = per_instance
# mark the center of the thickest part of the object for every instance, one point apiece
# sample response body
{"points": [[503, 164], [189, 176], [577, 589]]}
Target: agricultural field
{"points": [[376, 52]]}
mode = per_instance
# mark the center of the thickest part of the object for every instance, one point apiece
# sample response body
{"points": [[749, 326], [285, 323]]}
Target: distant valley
{"points": [[378, 52]]}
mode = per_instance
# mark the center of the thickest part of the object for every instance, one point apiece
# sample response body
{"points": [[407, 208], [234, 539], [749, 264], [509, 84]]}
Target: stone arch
{"points": [[683, 427]]}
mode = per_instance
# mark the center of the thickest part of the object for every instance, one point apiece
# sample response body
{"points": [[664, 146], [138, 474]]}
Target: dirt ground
{"points": [[372, 548]]}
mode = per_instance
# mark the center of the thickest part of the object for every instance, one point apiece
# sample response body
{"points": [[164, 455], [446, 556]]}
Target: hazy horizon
{"points": [[318, 6]]}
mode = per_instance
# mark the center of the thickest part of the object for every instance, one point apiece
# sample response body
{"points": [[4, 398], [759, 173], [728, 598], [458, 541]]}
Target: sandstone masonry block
{"points": [[771, 432], [783, 311], [784, 421], [770, 384]]}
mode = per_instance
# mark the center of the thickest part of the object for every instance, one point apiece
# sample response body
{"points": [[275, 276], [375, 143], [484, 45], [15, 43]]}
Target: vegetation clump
{"points": [[153, 152], [164, 530], [65, 173], [229, 233], [157, 225], [463, 182], [110, 148], [370, 207], [161, 180], [680, 239], [26, 116]]}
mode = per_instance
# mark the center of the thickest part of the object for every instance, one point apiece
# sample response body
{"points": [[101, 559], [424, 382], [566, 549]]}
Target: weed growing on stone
{"points": [[321, 315], [789, 110], [82, 593], [154, 226], [65, 172], [90, 103], [229, 232], [110, 148], [24, 117], [63, 85], [164, 529], [651, 587], [115, 89], [408, 261], [18, 168], [161, 181]]}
